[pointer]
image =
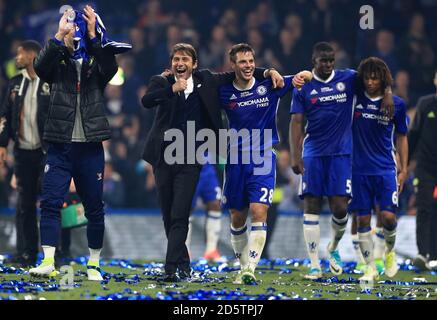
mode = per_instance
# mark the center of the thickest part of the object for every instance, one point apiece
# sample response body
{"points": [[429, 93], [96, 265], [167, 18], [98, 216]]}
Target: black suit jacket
{"points": [[422, 135], [160, 94]]}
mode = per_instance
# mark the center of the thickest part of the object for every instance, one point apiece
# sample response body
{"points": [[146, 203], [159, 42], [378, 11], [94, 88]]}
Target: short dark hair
{"points": [[379, 68], [30, 45], [241, 47], [322, 47], [185, 47]]}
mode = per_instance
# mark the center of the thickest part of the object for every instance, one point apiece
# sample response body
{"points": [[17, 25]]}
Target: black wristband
{"points": [[268, 70]]}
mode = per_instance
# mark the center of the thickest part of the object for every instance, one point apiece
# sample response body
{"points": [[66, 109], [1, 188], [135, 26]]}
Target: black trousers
{"points": [[176, 185], [426, 219], [29, 166]]}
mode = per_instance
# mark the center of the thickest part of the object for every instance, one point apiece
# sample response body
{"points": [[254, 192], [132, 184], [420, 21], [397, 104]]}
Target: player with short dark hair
{"points": [[240, 48], [250, 105]]}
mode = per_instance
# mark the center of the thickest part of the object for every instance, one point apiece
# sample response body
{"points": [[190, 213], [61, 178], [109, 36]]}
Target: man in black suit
{"points": [[423, 148], [186, 95]]}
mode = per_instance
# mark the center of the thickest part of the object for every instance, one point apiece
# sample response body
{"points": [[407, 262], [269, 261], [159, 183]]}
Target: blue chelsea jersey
{"points": [[253, 110], [328, 107], [373, 136]]}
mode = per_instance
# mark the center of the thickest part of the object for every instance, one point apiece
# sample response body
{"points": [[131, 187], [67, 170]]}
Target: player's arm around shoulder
{"points": [[388, 104], [277, 79], [301, 78], [223, 78], [215, 79], [159, 90], [289, 81]]}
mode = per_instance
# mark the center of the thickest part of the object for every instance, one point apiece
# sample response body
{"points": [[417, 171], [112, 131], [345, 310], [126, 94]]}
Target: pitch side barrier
{"points": [[153, 212]]}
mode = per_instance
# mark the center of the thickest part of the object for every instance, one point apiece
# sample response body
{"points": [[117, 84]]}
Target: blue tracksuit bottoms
{"points": [[84, 162]]}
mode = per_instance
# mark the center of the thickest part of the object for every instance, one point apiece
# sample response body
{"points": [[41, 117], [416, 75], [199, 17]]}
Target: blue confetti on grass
{"points": [[202, 274]]}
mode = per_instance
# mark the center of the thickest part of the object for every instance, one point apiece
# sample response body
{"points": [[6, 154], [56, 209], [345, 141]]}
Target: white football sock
{"points": [[49, 252], [190, 230], [213, 227], [390, 239], [379, 243], [94, 257], [338, 227], [357, 249], [257, 240], [311, 232], [239, 241], [366, 245]]}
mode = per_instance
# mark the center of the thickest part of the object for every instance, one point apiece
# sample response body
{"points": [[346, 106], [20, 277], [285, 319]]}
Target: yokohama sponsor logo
{"points": [[338, 97], [375, 117], [252, 102]]}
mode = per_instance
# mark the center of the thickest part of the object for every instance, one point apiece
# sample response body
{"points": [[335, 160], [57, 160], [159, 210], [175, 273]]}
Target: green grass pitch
{"points": [[138, 281]]}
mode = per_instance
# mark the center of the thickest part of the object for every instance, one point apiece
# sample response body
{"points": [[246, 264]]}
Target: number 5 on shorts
{"points": [[348, 186]]}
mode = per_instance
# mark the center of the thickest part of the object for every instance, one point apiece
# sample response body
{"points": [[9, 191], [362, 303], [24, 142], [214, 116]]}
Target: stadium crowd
{"points": [[282, 34]]}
